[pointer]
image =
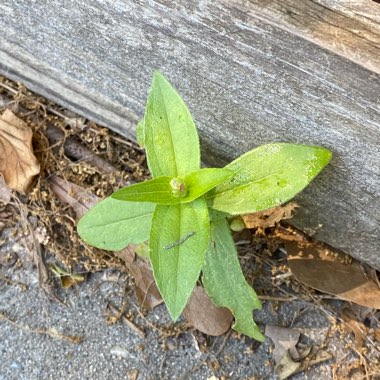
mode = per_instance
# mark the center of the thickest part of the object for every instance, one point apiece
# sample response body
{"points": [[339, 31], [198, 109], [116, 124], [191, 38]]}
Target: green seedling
{"points": [[183, 209]]}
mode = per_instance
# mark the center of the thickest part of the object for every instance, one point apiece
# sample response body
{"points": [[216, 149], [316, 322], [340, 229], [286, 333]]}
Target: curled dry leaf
{"points": [[269, 218], [17, 161], [76, 196], [288, 358], [5, 191], [284, 340], [330, 272], [205, 316], [67, 279], [287, 366]]}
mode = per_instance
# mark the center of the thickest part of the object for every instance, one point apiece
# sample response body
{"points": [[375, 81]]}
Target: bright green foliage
{"points": [[178, 242], [224, 281], [169, 191], [114, 224], [170, 136], [201, 181], [186, 199], [156, 190], [268, 176]]}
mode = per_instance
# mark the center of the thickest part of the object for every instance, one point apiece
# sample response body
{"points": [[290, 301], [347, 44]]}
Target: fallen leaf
{"points": [[5, 191], [330, 272], [358, 328], [67, 279], [17, 161], [205, 316], [287, 367], [270, 217], [127, 255], [146, 290], [284, 340], [290, 359], [76, 196]]}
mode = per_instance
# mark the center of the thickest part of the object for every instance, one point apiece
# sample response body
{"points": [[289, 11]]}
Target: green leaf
{"points": [[167, 191], [114, 224], [171, 139], [268, 176], [201, 181], [157, 190], [224, 281], [140, 133], [178, 242]]}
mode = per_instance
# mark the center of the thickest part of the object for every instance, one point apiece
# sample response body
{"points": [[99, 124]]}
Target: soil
{"points": [[96, 328]]}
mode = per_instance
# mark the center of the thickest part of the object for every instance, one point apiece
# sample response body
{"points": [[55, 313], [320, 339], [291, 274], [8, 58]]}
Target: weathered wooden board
{"points": [[246, 78]]}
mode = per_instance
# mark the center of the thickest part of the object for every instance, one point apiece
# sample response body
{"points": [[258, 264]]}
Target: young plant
{"points": [[183, 210]]}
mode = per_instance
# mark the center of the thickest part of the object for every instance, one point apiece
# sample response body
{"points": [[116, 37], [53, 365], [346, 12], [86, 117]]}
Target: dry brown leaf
{"points": [[269, 218], [5, 191], [284, 340], [17, 161], [76, 196], [146, 289], [329, 272], [205, 316], [289, 360], [127, 255], [287, 366], [358, 328], [67, 279]]}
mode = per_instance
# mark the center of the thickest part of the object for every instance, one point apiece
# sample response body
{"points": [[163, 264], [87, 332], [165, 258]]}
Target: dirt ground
{"points": [[69, 310]]}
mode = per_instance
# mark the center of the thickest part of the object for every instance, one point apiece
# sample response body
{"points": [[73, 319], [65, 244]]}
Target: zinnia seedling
{"points": [[183, 210]]}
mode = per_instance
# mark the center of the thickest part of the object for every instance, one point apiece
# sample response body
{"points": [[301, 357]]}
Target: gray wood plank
{"points": [[350, 29], [246, 81]]}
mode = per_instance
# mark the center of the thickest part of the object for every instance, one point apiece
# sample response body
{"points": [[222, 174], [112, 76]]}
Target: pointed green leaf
{"points": [[178, 242], [171, 139], [157, 190], [161, 190], [268, 176], [140, 133], [201, 181], [114, 224], [224, 281]]}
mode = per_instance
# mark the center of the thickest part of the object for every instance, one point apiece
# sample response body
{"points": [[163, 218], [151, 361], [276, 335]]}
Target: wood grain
{"points": [[247, 81], [348, 28]]}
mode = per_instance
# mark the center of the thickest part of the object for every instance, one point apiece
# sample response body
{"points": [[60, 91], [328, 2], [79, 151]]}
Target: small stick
{"points": [[50, 332]]}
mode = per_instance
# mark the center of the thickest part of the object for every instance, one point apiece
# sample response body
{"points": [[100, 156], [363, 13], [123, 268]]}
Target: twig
{"points": [[130, 324], [49, 332], [74, 149]]}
